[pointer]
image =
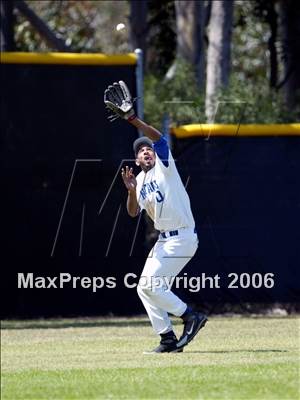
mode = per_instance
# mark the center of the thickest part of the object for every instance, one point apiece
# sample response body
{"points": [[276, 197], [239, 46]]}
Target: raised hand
{"points": [[128, 178], [118, 99]]}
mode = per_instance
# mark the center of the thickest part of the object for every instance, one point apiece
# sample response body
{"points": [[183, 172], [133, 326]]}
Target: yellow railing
{"points": [[68, 58], [186, 131]]}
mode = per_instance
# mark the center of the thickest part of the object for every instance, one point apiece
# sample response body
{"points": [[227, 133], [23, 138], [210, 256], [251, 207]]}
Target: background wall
{"points": [[244, 195]]}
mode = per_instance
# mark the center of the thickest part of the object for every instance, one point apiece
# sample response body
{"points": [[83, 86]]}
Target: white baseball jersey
{"points": [[161, 193]]}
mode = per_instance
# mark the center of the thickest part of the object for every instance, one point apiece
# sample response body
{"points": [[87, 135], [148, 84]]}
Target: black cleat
{"points": [[167, 345], [193, 322]]}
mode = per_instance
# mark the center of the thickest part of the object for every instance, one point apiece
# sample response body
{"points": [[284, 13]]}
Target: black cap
{"points": [[144, 140]]}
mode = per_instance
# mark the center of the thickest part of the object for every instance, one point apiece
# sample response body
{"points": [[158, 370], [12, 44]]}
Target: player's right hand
{"points": [[129, 179]]}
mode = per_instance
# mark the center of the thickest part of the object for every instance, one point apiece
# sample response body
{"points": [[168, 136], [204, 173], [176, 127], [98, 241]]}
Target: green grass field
{"points": [[231, 358]]}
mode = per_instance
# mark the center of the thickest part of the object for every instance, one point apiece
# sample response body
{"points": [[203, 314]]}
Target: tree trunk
{"points": [[290, 39], [7, 26], [190, 32], [272, 19], [138, 25], [218, 54]]}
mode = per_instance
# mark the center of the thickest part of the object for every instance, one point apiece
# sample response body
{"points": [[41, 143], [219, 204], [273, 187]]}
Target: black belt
{"points": [[168, 234], [165, 235]]}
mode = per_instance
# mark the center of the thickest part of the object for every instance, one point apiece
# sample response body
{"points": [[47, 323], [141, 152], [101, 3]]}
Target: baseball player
{"points": [[158, 189]]}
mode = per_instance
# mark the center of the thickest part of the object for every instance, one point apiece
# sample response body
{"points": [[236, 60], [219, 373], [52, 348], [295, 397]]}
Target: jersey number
{"points": [[159, 196]]}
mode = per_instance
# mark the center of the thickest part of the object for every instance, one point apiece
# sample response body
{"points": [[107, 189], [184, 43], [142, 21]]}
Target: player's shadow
{"points": [[73, 323], [80, 322], [238, 351]]}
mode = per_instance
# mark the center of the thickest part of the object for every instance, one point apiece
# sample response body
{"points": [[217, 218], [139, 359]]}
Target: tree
{"points": [[42, 27], [138, 25], [218, 53], [7, 26], [266, 11], [190, 32], [84, 26], [161, 39], [290, 41]]}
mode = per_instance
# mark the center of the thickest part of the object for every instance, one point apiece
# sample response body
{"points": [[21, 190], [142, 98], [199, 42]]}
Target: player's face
{"points": [[145, 158]]}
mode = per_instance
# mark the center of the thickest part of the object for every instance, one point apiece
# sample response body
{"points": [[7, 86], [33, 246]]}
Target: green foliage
{"points": [[250, 35], [85, 26], [244, 101], [251, 103], [178, 97]]}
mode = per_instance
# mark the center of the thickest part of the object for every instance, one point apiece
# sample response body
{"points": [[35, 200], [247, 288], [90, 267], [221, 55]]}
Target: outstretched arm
{"points": [[147, 130], [118, 99]]}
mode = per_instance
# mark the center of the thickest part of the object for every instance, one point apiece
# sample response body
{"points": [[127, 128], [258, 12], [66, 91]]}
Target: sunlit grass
{"points": [[231, 358]]}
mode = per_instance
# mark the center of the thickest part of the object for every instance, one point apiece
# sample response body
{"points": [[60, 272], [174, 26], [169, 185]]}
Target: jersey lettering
{"points": [[154, 189], [148, 188]]}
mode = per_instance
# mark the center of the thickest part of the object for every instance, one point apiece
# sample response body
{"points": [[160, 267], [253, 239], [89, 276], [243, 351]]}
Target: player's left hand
{"points": [[118, 99]]}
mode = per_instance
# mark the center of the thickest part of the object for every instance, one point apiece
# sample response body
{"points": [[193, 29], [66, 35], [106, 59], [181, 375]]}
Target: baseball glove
{"points": [[117, 98]]}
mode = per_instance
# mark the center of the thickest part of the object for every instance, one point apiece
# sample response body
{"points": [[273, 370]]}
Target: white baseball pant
{"points": [[165, 261]]}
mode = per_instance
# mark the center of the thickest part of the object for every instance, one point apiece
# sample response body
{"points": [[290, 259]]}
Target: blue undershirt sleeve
{"points": [[161, 148]]}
